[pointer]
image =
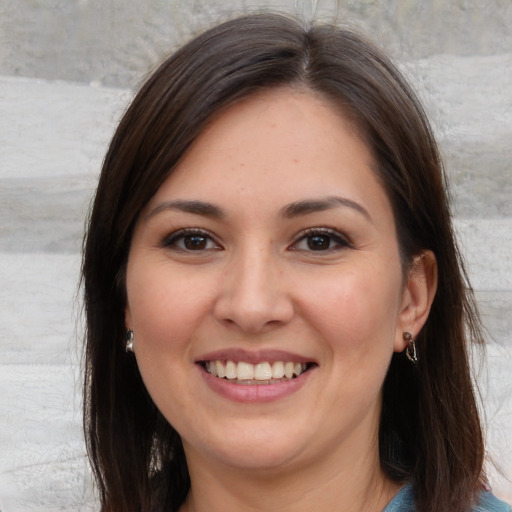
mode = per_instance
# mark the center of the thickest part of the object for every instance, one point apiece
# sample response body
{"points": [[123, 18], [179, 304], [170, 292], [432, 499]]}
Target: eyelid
{"points": [[338, 237], [169, 241]]}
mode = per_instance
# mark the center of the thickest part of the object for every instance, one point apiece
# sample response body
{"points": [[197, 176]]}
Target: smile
{"points": [[255, 374]]}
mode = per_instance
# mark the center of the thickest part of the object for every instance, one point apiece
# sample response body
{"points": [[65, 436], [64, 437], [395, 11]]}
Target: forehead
{"points": [[275, 139]]}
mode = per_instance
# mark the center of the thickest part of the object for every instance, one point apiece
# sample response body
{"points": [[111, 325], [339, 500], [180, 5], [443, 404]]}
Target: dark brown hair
{"points": [[430, 430]]}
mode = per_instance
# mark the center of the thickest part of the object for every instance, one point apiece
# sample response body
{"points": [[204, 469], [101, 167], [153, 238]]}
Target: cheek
{"points": [[358, 311], [163, 308], [164, 312]]}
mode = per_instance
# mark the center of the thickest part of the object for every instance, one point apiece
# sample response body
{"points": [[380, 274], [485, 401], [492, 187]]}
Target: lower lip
{"points": [[255, 393]]}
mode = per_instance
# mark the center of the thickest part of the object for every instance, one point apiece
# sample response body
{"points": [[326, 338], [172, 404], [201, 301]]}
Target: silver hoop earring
{"points": [[410, 350], [129, 340]]}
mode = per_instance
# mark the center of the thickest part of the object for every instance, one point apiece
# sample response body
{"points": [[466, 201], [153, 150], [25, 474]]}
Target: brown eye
{"points": [[190, 240], [195, 242], [319, 242]]}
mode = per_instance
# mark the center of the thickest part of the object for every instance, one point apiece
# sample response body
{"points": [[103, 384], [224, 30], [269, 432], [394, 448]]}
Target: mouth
{"points": [[262, 373]]}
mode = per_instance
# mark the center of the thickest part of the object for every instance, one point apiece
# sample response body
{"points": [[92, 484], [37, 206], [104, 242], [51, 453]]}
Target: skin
{"points": [[256, 281]]}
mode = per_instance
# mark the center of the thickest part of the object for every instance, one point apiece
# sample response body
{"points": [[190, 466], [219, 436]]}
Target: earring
{"points": [[410, 350], [129, 340]]}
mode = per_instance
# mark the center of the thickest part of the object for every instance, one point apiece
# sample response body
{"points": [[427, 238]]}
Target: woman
{"points": [[277, 315]]}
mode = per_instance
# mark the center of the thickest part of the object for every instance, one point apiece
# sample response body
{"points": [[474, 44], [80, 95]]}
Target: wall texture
{"points": [[114, 41], [67, 71]]}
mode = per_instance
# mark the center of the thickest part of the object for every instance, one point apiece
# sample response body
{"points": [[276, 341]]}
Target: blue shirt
{"points": [[404, 502]]}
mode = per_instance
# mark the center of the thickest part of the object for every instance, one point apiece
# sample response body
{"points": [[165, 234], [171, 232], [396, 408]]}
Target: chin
{"points": [[259, 459], [251, 451]]}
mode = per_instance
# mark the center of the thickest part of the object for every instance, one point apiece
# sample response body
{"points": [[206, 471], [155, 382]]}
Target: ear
{"points": [[418, 295]]}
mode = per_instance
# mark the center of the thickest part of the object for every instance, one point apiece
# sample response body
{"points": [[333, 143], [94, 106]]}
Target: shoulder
{"points": [[404, 502], [489, 503]]}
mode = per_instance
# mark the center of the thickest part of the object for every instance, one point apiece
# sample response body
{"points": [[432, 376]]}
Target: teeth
{"points": [[245, 371], [212, 368], [278, 370], [263, 372], [231, 370], [221, 369], [288, 370]]}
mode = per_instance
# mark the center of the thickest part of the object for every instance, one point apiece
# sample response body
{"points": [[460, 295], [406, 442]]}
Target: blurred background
{"points": [[68, 69]]}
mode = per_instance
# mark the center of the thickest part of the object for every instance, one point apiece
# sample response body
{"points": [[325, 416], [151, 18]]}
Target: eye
{"points": [[321, 239], [191, 240]]}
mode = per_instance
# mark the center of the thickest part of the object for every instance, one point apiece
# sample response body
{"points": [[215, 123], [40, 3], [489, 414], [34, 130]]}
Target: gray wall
{"points": [[113, 41], [67, 70]]}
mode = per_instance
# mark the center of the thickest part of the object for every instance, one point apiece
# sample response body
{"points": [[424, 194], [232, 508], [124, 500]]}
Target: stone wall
{"points": [[114, 42]]}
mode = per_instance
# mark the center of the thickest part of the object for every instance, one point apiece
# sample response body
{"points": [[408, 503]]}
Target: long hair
{"points": [[430, 431]]}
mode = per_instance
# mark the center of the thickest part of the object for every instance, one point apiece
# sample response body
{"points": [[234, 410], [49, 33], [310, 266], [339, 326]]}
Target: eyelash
{"points": [[340, 241], [171, 241]]}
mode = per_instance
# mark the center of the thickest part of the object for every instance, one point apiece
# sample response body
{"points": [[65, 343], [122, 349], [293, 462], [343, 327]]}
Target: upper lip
{"points": [[253, 356]]}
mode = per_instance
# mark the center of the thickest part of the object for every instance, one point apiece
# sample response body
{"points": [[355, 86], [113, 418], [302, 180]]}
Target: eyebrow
{"points": [[189, 206], [292, 210], [318, 205]]}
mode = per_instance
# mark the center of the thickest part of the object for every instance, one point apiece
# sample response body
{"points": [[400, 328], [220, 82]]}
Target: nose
{"points": [[253, 295]]}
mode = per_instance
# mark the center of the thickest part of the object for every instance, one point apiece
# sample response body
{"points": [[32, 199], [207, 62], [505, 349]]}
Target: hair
{"points": [[430, 430]]}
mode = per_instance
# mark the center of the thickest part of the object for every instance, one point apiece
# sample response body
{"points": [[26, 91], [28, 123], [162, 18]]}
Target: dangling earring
{"points": [[129, 340], [410, 350]]}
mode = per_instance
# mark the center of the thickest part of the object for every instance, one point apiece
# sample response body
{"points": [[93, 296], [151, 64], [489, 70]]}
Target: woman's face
{"points": [[270, 256]]}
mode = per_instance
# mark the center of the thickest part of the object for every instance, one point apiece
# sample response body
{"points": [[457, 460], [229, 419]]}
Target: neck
{"points": [[327, 485]]}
